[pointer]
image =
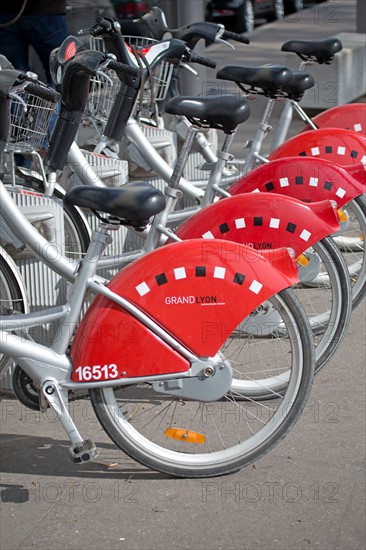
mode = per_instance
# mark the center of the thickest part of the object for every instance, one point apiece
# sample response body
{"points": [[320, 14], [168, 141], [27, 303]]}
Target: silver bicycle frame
{"points": [[81, 274]]}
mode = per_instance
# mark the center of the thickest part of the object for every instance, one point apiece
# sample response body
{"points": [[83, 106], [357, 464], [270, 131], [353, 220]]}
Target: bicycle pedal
{"points": [[83, 452]]}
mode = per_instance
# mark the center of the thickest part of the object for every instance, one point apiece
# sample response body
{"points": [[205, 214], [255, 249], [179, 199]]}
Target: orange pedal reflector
{"points": [[185, 435], [342, 216], [302, 260]]}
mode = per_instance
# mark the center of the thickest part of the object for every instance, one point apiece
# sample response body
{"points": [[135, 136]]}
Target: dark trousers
{"points": [[43, 32]]}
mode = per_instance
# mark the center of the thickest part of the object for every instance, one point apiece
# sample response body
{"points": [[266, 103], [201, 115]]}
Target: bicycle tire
{"points": [[77, 230], [327, 301], [138, 430], [351, 243], [13, 297]]}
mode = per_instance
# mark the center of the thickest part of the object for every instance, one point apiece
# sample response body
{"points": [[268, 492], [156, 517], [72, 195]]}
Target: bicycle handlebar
{"points": [[228, 35], [122, 69], [194, 58], [153, 25], [42, 92]]}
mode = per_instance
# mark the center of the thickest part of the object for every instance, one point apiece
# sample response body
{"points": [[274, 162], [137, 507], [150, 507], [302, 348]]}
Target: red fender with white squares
{"points": [[197, 290], [264, 221], [343, 147], [305, 178], [351, 116]]}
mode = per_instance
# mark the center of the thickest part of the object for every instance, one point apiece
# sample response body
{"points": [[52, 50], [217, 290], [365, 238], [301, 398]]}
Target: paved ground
{"points": [[308, 493]]}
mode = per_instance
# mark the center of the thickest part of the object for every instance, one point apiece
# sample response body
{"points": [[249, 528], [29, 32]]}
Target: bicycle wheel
{"points": [[76, 228], [325, 295], [13, 298], [351, 242], [189, 438], [77, 231]]}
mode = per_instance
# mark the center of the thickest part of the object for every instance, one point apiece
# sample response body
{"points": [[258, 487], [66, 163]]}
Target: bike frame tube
{"points": [[82, 168], [284, 123], [160, 167], [42, 363]]}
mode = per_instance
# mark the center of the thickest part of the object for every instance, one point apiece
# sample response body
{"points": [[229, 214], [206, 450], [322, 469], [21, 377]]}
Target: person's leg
{"points": [[14, 44], [45, 33]]}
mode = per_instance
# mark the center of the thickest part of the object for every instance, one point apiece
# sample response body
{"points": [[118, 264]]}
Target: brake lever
{"points": [[222, 41], [219, 40], [104, 65], [189, 68]]}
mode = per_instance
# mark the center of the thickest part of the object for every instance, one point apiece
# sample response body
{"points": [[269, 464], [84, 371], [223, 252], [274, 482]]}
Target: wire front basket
{"points": [[29, 121], [105, 85], [156, 88], [104, 88]]}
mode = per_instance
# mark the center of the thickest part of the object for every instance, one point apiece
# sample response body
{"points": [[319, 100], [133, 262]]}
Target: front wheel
{"points": [[219, 437]]}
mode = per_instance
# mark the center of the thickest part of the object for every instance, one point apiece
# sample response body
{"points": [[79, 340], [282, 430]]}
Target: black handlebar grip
{"points": [[122, 68], [43, 93], [194, 58], [228, 35]]}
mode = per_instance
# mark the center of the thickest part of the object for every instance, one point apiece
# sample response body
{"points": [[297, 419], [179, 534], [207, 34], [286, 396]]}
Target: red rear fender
{"points": [[342, 147], [199, 291], [264, 221], [351, 116], [306, 179]]}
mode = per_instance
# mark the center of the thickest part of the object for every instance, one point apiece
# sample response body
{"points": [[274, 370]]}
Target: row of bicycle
{"points": [[199, 355]]}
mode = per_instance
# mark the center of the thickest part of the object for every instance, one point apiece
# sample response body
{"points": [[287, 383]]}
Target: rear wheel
{"points": [[293, 6], [260, 344], [245, 19], [191, 438], [325, 295], [77, 231], [351, 242], [278, 11]]}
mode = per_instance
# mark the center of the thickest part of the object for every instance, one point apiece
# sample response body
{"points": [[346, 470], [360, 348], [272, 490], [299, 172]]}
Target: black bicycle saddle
{"points": [[270, 79], [218, 110], [322, 50], [133, 203]]}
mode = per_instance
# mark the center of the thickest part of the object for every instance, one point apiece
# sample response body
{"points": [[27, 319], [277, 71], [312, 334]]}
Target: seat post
{"points": [[183, 157], [214, 184], [262, 130], [171, 191]]}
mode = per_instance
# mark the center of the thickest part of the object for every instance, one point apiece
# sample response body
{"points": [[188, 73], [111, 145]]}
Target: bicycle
{"points": [[166, 409]]}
